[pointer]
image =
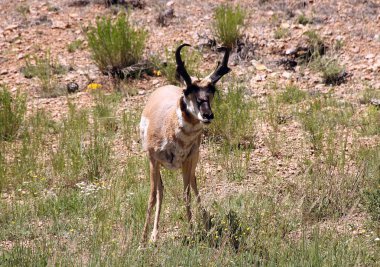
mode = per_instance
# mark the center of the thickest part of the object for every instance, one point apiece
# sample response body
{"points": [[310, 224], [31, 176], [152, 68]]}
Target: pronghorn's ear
{"points": [[189, 89]]}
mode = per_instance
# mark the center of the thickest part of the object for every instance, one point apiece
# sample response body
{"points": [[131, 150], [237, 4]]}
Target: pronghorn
{"points": [[171, 127]]}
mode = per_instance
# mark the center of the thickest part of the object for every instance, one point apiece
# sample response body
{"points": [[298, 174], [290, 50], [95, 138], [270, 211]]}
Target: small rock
{"points": [[11, 27], [154, 82], [72, 87], [291, 50], [287, 74], [170, 3], [60, 25], [3, 72], [369, 56], [285, 25], [355, 49], [141, 92], [20, 56]]}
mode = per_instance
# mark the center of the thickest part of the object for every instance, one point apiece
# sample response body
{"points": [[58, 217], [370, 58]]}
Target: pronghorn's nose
{"points": [[208, 116]]}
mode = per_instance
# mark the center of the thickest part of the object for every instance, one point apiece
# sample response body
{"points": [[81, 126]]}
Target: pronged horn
{"points": [[222, 68], [181, 70]]}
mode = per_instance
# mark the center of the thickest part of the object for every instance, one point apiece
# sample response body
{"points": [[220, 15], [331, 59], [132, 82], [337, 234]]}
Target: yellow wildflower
{"points": [[157, 72], [94, 86]]}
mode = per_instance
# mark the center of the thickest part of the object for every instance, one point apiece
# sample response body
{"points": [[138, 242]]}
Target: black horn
{"points": [[222, 68], [181, 70]]}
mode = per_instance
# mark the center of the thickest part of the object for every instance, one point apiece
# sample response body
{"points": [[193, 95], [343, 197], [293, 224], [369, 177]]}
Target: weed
{"points": [[292, 94], [105, 109], [338, 45], [115, 44], [272, 116], [370, 123], [281, 33], [324, 115], [45, 68], [75, 45], [329, 194], [130, 127], [12, 112], [303, 19], [23, 9], [97, 156], [68, 160], [228, 23], [369, 159]]}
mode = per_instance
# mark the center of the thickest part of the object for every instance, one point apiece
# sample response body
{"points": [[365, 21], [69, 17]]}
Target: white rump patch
{"points": [[144, 123]]}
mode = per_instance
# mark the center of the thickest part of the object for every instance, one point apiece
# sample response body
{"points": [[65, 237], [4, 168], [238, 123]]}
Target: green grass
{"points": [[115, 44], [74, 190], [228, 23], [12, 112]]}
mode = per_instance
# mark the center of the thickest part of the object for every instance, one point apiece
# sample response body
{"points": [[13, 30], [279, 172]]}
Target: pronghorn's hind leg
{"points": [[155, 180], [193, 184]]}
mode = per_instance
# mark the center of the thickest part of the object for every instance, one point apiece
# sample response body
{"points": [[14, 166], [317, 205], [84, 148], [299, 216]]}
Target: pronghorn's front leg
{"points": [[190, 180], [186, 175], [156, 191]]}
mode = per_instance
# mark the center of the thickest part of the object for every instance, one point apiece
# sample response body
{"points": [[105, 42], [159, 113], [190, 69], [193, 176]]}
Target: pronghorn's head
{"points": [[198, 94]]}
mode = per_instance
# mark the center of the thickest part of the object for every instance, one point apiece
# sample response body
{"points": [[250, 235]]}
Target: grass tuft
{"points": [[228, 23], [45, 68], [292, 94], [303, 19], [12, 112], [75, 45], [281, 33]]}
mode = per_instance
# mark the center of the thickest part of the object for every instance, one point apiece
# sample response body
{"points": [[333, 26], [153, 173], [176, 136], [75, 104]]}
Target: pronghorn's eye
{"points": [[199, 102]]}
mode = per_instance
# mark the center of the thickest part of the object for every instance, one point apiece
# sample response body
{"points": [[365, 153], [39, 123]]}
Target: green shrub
{"points": [[228, 23], [45, 68], [115, 44], [12, 112]]}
